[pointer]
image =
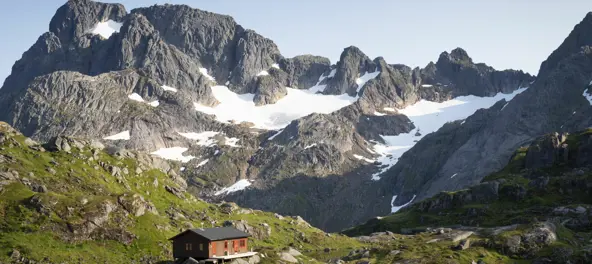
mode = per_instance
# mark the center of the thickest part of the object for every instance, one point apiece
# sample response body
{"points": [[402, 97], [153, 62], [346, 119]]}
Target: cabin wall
{"points": [[226, 247], [188, 245]]}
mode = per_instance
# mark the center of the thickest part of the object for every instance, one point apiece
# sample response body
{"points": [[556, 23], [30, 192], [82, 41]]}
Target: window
{"points": [[242, 243], [225, 244], [200, 246], [188, 246]]}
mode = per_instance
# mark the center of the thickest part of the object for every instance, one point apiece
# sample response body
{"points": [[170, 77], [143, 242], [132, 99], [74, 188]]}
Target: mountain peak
{"points": [[457, 54], [580, 36], [77, 17]]}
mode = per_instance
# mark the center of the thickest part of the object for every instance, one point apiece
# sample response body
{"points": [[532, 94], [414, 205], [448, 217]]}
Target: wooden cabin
{"points": [[220, 243]]}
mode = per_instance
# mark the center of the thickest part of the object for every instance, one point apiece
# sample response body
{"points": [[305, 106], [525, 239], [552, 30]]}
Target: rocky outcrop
{"points": [[136, 205], [303, 71], [547, 151], [483, 193], [268, 91], [352, 64], [530, 242]]}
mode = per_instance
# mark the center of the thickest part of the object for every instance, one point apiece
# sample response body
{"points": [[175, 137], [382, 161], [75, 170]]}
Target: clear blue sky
{"points": [[517, 34]]}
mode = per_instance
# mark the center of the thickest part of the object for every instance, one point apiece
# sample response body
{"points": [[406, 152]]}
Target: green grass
{"points": [[77, 178]]}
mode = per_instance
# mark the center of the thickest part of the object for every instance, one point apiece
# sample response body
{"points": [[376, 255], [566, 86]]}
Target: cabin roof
{"points": [[216, 233]]}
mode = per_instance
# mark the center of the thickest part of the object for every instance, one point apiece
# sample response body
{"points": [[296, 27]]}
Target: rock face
{"points": [[547, 151]]}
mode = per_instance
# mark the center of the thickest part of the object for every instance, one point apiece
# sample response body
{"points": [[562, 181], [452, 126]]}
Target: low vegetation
{"points": [[74, 201]]}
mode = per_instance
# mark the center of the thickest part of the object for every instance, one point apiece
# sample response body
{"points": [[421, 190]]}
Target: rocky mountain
{"points": [[309, 138], [461, 154]]}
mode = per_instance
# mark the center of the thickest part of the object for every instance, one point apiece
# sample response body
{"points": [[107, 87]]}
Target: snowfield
{"points": [[106, 29], [296, 104], [206, 139], [428, 117]]}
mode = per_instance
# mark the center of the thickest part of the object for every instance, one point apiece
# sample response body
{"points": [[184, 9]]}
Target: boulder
{"points": [[239, 261], [293, 252], [463, 244], [287, 257], [30, 143], [174, 190], [301, 222], [529, 243], [136, 205], [228, 208], [59, 144]]}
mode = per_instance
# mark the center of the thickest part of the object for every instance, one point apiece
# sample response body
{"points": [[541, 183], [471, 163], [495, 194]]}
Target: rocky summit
{"points": [[124, 127]]}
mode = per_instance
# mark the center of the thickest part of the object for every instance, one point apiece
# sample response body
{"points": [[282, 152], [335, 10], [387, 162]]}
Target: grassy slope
{"points": [[39, 236], [536, 206]]}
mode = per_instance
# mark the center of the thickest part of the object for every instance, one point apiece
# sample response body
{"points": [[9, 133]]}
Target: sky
{"points": [[516, 34]]}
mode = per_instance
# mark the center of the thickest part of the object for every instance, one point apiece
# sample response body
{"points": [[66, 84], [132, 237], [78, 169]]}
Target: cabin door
{"points": [[235, 246]]}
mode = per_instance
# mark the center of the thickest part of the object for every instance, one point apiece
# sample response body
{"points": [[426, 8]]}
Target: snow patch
{"points": [[263, 73], [106, 29], [125, 135], [136, 97], [239, 185], [429, 117], [504, 106], [169, 89], [363, 158], [332, 73], [310, 146], [203, 162], [204, 139], [394, 208], [453, 175], [174, 153], [276, 134], [426, 85], [275, 65], [204, 72], [376, 113], [588, 96], [390, 109], [232, 142], [362, 80]]}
